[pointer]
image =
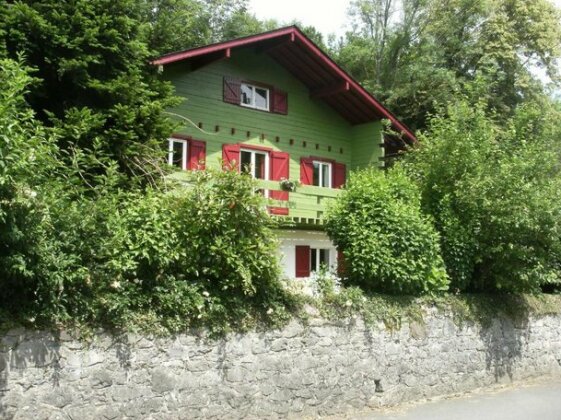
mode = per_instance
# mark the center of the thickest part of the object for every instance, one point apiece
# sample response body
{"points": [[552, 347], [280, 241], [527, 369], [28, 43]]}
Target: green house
{"points": [[278, 107]]}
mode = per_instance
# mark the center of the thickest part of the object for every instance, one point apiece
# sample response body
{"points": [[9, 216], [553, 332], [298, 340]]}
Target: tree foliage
{"points": [[94, 82], [415, 55], [495, 194], [389, 246]]}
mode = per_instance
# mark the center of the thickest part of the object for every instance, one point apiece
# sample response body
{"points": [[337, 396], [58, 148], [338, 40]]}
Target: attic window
{"points": [[254, 97]]}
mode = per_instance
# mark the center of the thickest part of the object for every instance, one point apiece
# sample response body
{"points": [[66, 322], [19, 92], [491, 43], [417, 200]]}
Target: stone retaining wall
{"points": [[319, 369]]}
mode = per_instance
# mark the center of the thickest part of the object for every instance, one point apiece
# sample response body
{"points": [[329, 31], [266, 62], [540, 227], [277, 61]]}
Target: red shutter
{"points": [[280, 162], [280, 102], [232, 90], [231, 156], [302, 261], [197, 154], [306, 171], [339, 175], [340, 263]]}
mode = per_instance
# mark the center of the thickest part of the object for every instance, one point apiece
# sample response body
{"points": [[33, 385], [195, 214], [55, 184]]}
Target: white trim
{"points": [[253, 153], [320, 178], [289, 239], [318, 258], [184, 143], [252, 104]]}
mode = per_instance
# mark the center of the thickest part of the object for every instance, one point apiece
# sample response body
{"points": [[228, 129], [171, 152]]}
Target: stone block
{"points": [[162, 381]]}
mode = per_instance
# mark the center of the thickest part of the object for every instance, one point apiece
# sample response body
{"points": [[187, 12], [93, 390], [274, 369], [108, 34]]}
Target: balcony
{"points": [[306, 205]]}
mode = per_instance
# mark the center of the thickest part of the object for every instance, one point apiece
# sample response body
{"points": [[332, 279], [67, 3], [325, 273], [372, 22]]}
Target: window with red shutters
{"points": [[313, 172], [231, 156], [186, 153], [280, 163], [302, 261], [255, 95]]}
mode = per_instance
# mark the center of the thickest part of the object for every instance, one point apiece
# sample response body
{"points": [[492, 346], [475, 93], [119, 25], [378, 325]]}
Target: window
{"points": [[322, 174], [319, 257], [255, 163], [254, 97], [177, 153]]}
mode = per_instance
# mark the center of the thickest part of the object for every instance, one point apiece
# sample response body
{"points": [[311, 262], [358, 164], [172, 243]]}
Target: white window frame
{"points": [[318, 259], [185, 145], [320, 178], [252, 104], [255, 152]]}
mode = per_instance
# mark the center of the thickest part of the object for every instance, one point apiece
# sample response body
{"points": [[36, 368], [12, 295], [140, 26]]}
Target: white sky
{"points": [[328, 16]]}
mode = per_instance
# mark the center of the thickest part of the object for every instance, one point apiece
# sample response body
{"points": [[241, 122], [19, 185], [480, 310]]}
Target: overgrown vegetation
{"points": [[77, 254], [494, 192], [388, 244], [92, 233], [395, 310]]}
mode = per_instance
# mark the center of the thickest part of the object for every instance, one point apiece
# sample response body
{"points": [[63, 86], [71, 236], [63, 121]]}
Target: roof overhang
{"points": [[294, 51]]}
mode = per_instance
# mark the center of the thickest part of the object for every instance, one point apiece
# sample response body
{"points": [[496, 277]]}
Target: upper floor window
{"points": [[254, 97], [322, 174], [177, 153], [255, 163]]}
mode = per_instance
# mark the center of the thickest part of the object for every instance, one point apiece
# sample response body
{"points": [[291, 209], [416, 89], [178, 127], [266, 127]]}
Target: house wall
{"points": [[314, 128], [365, 146], [289, 239], [319, 368]]}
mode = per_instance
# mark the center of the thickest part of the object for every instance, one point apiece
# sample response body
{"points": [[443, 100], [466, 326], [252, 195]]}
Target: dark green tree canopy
{"points": [[415, 55], [94, 83]]}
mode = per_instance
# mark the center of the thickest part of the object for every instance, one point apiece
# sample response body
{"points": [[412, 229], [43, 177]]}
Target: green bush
{"points": [[26, 152], [202, 255], [388, 244], [495, 195]]}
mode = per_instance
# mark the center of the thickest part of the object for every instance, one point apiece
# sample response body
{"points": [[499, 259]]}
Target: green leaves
{"points": [[416, 55], [494, 193], [388, 244], [92, 59]]}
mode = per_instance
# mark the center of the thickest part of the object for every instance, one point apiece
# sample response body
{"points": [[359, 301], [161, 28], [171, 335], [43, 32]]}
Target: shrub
{"points": [[25, 157], [388, 244], [186, 257], [495, 195]]}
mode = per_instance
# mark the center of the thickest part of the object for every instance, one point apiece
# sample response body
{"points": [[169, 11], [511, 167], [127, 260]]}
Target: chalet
{"points": [[276, 106]]}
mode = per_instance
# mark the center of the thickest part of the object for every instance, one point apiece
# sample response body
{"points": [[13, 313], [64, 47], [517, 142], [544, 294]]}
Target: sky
{"points": [[328, 16]]}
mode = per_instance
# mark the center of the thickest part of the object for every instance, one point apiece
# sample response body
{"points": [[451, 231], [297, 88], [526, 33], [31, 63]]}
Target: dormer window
{"points": [[254, 97]]}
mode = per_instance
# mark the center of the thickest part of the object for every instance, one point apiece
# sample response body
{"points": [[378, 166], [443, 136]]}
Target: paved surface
{"points": [[537, 400]]}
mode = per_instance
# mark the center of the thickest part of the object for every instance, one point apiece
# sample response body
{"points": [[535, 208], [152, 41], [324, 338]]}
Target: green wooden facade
{"points": [[310, 128]]}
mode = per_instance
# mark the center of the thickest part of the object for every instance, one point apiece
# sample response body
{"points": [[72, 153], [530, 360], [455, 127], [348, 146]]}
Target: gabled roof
{"points": [[307, 62]]}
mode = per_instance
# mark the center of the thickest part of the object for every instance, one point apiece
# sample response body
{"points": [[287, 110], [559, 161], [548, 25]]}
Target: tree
{"points": [[95, 86], [417, 54], [494, 192]]}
